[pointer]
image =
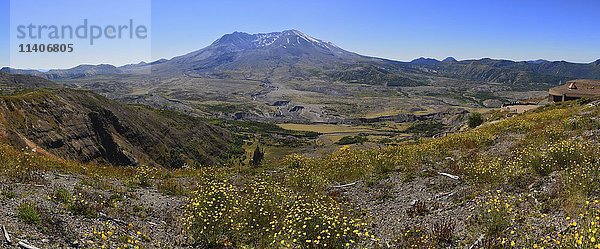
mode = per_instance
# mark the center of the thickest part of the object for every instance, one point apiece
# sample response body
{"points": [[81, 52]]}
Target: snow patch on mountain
{"points": [[286, 38]]}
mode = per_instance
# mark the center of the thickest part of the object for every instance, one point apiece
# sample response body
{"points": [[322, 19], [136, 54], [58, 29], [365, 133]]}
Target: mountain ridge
{"points": [[293, 55]]}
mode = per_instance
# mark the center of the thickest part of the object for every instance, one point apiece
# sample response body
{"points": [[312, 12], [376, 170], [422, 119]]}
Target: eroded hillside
{"points": [[87, 127]]}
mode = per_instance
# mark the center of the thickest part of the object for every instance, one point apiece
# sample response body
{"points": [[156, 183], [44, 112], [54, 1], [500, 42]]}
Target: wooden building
{"points": [[574, 89]]}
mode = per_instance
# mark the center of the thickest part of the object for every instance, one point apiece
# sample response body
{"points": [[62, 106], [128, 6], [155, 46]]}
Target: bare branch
{"points": [[477, 242], [449, 175], [344, 185], [26, 246]]}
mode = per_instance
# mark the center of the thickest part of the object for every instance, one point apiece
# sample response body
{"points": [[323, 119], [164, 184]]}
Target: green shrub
{"points": [[475, 119], [8, 194], [352, 140], [62, 195], [426, 128], [28, 213]]}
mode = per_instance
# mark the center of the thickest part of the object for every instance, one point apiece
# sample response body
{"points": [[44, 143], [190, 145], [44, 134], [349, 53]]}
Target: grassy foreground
{"points": [[530, 181]]}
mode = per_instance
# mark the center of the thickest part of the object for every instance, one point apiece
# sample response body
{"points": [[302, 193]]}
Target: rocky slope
{"points": [[84, 126], [10, 83]]}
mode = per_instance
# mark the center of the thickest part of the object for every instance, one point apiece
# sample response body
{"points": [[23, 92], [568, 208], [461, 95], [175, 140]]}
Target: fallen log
{"points": [[6, 235]]}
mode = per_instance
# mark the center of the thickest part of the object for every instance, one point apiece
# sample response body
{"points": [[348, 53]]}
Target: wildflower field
{"points": [[556, 146]]}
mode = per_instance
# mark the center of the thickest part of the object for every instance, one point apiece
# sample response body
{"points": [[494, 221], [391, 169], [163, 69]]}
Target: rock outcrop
{"points": [[87, 127]]}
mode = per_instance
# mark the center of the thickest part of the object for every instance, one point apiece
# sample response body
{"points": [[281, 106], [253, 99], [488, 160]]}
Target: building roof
{"points": [[577, 88]]}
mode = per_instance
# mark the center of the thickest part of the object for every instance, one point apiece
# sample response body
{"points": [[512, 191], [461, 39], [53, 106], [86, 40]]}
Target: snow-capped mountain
{"points": [[277, 44], [259, 56], [288, 38]]}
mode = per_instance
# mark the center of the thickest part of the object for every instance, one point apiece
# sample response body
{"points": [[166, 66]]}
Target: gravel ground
{"points": [[132, 210], [396, 203]]}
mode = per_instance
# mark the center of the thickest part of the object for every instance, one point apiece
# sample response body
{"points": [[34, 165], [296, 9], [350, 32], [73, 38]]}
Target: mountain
{"points": [[425, 61], [71, 73], [538, 61], [237, 49], [87, 127], [289, 54], [8, 70], [286, 55], [506, 71], [293, 55], [281, 56], [449, 59]]}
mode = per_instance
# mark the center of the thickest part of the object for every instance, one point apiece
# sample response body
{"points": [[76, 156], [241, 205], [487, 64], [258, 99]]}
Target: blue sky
{"points": [[400, 30]]}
